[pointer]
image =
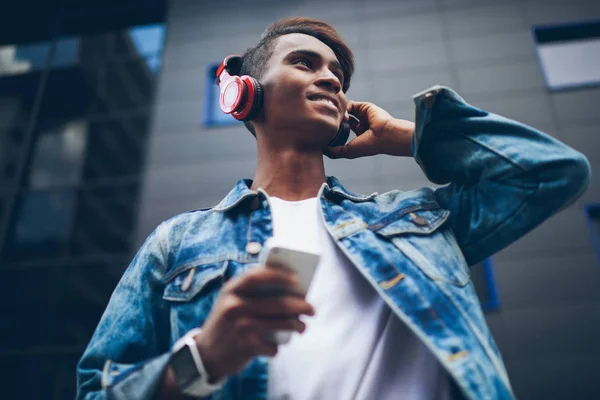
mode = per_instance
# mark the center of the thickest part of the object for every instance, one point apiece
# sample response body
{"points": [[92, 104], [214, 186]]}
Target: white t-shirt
{"points": [[354, 347]]}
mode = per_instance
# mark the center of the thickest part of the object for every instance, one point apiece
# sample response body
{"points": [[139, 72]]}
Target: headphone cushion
{"points": [[257, 101]]}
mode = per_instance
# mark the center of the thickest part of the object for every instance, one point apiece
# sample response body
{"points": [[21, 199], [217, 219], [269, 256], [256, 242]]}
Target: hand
{"points": [[376, 133], [237, 327]]}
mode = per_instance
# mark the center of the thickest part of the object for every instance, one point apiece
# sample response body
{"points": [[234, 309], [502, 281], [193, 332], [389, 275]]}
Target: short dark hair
{"points": [[255, 59]]}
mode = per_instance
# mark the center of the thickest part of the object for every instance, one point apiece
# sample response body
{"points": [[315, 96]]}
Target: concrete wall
{"points": [[549, 281]]}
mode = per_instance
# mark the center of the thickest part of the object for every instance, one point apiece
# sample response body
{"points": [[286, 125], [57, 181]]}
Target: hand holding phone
{"points": [[304, 264]]}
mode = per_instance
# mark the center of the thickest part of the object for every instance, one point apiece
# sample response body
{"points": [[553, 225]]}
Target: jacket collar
{"points": [[242, 191]]}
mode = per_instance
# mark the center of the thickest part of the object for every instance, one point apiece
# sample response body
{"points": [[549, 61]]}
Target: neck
{"points": [[289, 173]]}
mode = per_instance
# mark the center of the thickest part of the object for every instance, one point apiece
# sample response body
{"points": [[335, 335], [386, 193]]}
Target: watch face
{"points": [[184, 367]]}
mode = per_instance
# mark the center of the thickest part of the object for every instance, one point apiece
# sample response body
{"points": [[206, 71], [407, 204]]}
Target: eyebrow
{"points": [[314, 54]]}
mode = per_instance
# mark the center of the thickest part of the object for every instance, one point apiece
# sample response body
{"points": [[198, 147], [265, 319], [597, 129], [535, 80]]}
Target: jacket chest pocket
{"points": [[186, 283], [418, 232], [191, 291]]}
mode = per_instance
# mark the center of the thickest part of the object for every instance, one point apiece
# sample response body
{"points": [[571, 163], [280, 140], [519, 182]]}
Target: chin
{"points": [[318, 127], [325, 129], [326, 123]]}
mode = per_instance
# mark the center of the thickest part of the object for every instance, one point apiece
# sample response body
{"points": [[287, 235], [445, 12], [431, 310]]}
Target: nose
{"points": [[329, 82]]}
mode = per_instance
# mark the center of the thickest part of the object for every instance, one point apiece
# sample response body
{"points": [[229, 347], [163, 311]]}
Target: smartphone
{"points": [[302, 262], [341, 137]]}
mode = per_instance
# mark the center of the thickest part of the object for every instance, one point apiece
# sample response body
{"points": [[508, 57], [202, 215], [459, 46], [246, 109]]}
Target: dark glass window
{"points": [[23, 328], [58, 156], [22, 59], [66, 52], [72, 154], [148, 39], [85, 291], [105, 220]]}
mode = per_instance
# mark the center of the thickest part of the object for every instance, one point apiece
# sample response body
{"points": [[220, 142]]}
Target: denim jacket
{"points": [[502, 178]]}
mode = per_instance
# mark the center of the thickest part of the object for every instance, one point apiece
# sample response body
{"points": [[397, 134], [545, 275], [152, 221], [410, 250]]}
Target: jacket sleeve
{"points": [[128, 352], [503, 178]]}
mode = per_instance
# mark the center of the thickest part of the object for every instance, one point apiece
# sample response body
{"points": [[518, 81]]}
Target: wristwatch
{"points": [[190, 375]]}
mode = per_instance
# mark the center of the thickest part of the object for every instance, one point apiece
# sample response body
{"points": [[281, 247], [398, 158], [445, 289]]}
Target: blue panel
{"points": [[492, 303], [592, 214]]}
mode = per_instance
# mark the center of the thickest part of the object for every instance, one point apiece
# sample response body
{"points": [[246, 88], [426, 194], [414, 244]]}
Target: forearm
{"points": [[403, 130]]}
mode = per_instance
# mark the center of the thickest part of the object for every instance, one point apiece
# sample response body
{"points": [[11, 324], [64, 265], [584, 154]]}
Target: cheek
{"points": [[286, 93]]}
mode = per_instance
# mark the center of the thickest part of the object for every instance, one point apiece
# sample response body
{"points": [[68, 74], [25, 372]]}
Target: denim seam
{"points": [[431, 225], [219, 208], [401, 213], [193, 264], [194, 290], [465, 246], [162, 232], [480, 336]]}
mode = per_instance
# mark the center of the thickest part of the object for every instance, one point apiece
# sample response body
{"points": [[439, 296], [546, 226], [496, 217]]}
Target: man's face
{"points": [[303, 90]]}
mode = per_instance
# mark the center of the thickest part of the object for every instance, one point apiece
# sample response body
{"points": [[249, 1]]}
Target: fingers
{"points": [[283, 306], [265, 348], [253, 345], [360, 146], [265, 325], [254, 333], [359, 121], [257, 278], [356, 126], [359, 109]]}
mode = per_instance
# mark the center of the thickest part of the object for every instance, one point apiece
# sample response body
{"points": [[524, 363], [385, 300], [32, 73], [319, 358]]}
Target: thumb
{"points": [[360, 146]]}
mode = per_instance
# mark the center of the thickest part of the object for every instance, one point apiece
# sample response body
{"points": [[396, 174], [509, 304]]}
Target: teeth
{"points": [[324, 101]]}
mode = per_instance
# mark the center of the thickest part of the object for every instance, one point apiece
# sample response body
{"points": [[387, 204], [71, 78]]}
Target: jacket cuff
{"points": [[432, 105], [141, 382]]}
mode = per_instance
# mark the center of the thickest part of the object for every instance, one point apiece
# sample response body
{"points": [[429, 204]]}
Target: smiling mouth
{"points": [[326, 102]]}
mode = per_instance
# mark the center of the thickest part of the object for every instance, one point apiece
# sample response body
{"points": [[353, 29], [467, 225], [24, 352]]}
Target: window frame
{"points": [[544, 29]]}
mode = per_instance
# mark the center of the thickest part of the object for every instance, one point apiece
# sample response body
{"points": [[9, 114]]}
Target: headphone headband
{"points": [[231, 64]]}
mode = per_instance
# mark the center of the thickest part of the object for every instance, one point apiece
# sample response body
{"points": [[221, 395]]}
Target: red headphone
{"points": [[242, 96]]}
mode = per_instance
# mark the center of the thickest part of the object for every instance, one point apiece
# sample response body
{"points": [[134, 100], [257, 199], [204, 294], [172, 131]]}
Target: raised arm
{"points": [[504, 178]]}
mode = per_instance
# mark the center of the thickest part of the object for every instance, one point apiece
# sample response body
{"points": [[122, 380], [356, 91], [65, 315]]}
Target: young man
{"points": [[391, 312]]}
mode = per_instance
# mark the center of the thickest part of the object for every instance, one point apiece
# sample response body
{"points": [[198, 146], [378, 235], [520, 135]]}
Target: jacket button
{"points": [[418, 220], [253, 247], [255, 205]]}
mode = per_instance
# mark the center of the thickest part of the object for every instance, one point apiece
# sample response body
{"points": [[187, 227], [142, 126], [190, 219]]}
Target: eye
{"points": [[303, 61]]}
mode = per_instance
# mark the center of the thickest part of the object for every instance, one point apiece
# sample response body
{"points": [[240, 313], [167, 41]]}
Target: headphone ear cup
{"points": [[257, 101]]}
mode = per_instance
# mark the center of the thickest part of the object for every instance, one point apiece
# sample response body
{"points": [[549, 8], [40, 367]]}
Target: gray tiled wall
{"points": [[549, 281]]}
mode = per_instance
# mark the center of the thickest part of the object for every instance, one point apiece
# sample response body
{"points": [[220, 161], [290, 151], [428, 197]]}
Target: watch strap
{"points": [[201, 386]]}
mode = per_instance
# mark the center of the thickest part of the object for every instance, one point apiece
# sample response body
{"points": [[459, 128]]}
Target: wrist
{"points": [[188, 368], [402, 132], [211, 364]]}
